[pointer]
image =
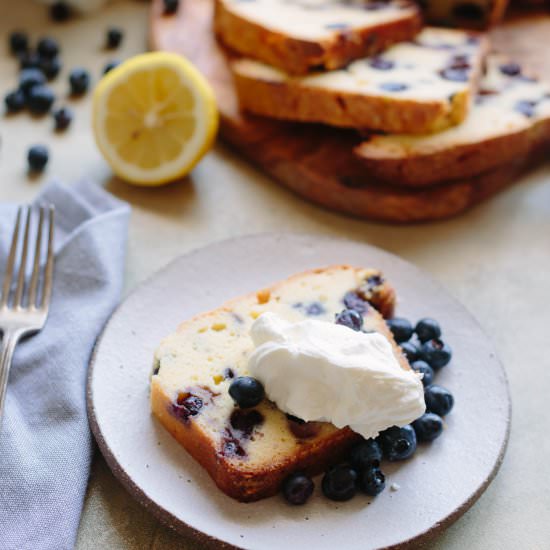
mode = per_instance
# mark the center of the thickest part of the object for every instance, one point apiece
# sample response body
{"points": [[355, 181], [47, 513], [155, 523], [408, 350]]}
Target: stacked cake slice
{"points": [[428, 105]]}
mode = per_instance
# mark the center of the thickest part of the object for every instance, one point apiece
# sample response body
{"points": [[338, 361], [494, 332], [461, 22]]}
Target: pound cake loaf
{"points": [[300, 35], [249, 452], [510, 118], [414, 87], [472, 14]]}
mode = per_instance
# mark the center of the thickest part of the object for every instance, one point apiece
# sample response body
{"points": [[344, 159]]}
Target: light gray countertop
{"points": [[495, 259]]}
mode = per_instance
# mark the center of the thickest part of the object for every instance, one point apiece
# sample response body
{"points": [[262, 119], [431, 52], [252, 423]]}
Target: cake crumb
{"points": [[395, 487]]}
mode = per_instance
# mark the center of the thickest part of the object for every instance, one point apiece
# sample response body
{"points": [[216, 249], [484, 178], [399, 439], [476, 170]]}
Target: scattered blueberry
{"points": [[60, 11], [246, 391], [29, 60], [170, 6], [436, 353], [340, 483], [50, 67], [393, 86], [37, 158], [366, 454], [410, 351], [79, 80], [114, 37], [427, 329], [401, 329], [350, 318], [47, 48], [110, 65], [19, 42], [372, 481], [398, 443], [29, 78], [63, 118], [423, 368], [15, 101], [297, 488], [40, 99], [428, 427], [439, 400]]}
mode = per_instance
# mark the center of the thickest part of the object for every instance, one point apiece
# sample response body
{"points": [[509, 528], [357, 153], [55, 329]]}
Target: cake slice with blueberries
{"points": [[510, 119], [300, 35], [416, 87], [240, 428]]}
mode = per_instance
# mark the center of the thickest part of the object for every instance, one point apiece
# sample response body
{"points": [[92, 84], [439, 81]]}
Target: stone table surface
{"points": [[495, 259]]}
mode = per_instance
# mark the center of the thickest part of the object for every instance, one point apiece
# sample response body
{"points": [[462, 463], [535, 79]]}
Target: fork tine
{"points": [[11, 261], [36, 266], [48, 276], [18, 300]]}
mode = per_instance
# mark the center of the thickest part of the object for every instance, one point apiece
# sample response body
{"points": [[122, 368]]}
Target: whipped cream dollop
{"points": [[317, 370]]}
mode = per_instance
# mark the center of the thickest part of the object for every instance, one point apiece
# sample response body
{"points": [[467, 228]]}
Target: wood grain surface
{"points": [[317, 162]]}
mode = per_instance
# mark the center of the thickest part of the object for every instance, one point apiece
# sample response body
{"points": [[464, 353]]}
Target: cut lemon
{"points": [[154, 118]]}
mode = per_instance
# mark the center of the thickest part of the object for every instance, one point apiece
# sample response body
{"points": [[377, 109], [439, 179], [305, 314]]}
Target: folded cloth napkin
{"points": [[45, 441]]}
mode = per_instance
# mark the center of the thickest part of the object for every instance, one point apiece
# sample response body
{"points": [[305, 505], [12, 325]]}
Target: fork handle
{"points": [[9, 341]]}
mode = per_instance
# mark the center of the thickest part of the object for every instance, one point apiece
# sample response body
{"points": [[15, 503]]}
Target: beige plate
{"points": [[437, 485]]}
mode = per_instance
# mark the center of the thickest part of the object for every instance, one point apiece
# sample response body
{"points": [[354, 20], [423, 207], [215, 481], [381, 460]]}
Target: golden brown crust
{"points": [[300, 56], [494, 15]]}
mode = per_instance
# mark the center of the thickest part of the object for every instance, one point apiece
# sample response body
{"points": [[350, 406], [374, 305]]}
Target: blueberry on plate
{"points": [[63, 118], [297, 488], [40, 100], [401, 329], [372, 481], [246, 391], [170, 6], [340, 483], [423, 368], [14, 101], [29, 60], [397, 443], [29, 78], [436, 353], [110, 65], [37, 158], [427, 329], [60, 11], [439, 400], [79, 81], [410, 350], [47, 48], [114, 37], [50, 67], [350, 318], [366, 454], [428, 427], [19, 42]]}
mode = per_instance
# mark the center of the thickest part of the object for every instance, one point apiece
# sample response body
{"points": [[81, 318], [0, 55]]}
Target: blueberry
{"points": [[510, 69], [436, 353], [438, 399], [29, 78], [526, 107], [428, 427], [410, 351], [340, 483], [423, 368], [366, 454], [63, 118], [398, 443], [79, 80], [14, 101], [170, 6], [60, 11], [40, 100], [455, 75], [47, 48], [19, 42], [114, 37], [427, 329], [393, 86], [110, 65], [372, 481], [352, 300], [381, 64], [246, 391], [401, 329], [29, 61], [50, 67], [297, 488], [350, 318], [38, 158]]}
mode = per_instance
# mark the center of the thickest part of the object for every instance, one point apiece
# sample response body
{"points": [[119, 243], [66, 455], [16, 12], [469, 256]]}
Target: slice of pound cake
{"points": [[414, 87], [510, 119], [249, 452], [300, 35], [471, 14]]}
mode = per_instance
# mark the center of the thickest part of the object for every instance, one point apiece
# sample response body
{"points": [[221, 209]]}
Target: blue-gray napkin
{"points": [[45, 441]]}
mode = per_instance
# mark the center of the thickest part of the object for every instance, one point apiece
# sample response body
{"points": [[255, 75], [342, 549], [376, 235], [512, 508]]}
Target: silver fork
{"points": [[24, 311]]}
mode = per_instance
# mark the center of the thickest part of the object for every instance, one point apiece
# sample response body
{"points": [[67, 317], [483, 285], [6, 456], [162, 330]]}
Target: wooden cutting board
{"points": [[316, 162]]}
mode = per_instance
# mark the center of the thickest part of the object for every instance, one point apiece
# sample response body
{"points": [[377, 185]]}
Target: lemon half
{"points": [[154, 118]]}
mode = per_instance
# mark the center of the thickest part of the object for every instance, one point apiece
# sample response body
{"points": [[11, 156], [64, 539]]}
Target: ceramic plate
{"points": [[435, 487]]}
